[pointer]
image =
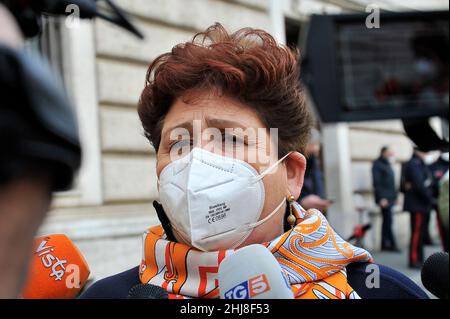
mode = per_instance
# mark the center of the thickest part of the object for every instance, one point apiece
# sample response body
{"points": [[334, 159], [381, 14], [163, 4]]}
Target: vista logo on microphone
{"points": [[57, 269], [49, 260], [249, 289]]}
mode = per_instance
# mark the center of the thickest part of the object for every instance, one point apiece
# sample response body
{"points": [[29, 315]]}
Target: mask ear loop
{"points": [[252, 226], [267, 171], [258, 223], [265, 219]]}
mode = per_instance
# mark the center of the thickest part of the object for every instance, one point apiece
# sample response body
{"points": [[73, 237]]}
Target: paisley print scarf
{"points": [[312, 256]]}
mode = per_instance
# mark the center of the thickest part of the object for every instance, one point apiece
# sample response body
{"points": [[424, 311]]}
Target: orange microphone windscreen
{"points": [[57, 269]]}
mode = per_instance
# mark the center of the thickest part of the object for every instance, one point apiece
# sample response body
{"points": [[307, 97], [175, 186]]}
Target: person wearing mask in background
{"points": [[418, 202], [438, 170], [383, 178], [313, 191]]}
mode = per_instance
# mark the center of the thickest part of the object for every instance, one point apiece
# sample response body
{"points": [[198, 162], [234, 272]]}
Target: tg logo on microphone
{"points": [[249, 289]]}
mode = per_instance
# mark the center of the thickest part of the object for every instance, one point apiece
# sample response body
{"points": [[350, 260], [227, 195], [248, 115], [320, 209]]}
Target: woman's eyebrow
{"points": [[210, 122], [222, 123], [188, 125]]}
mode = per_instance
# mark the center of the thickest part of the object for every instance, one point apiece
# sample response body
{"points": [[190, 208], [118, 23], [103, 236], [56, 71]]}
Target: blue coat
{"points": [[383, 178], [393, 284], [418, 183]]}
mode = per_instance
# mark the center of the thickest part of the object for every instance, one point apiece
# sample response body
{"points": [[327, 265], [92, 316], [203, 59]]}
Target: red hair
{"points": [[247, 65]]}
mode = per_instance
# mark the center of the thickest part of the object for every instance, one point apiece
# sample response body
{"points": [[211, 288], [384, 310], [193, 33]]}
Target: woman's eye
{"points": [[180, 144], [232, 139]]}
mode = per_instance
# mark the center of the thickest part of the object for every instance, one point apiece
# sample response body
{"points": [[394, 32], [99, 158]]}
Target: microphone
{"points": [[435, 274], [57, 269], [146, 291], [26, 12], [89, 9], [253, 272]]}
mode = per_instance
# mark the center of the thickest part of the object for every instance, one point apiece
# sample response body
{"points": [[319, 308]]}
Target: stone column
{"points": [[277, 20], [338, 179]]}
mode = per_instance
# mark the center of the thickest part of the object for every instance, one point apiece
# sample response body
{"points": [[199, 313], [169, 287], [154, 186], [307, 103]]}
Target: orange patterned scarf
{"points": [[312, 256]]}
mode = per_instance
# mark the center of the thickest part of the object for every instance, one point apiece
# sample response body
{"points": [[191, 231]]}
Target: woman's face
{"points": [[242, 135]]}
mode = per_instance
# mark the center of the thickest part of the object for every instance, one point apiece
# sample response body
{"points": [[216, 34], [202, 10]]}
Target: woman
{"points": [[227, 117], [222, 81]]}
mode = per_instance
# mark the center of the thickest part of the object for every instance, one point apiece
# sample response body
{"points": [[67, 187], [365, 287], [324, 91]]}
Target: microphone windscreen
{"points": [[143, 291], [57, 269], [253, 272], [435, 274]]}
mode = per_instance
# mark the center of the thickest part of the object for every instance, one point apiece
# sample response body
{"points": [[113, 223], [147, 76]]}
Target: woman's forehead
{"points": [[211, 111]]}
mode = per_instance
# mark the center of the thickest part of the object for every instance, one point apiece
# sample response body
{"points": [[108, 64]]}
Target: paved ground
{"points": [[399, 261]]}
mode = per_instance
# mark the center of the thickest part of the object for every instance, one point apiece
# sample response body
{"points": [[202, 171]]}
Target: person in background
{"points": [[443, 208], [383, 178], [418, 201], [438, 169], [24, 194], [40, 150], [427, 240], [313, 191]]}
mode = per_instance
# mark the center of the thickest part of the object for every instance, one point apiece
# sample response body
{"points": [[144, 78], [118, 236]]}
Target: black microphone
{"points": [[91, 9], [28, 11], [146, 291], [435, 274], [88, 8]]}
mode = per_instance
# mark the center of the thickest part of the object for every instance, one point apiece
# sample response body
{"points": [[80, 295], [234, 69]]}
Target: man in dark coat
{"points": [[383, 178], [418, 201]]}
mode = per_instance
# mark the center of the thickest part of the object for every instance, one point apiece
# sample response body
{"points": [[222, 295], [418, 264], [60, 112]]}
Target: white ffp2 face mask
{"points": [[213, 202]]}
